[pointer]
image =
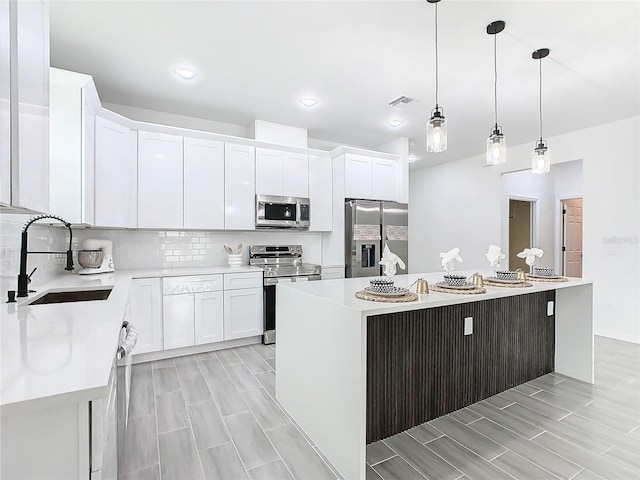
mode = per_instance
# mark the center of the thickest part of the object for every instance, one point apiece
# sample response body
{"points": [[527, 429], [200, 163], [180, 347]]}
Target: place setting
{"points": [[457, 284]]}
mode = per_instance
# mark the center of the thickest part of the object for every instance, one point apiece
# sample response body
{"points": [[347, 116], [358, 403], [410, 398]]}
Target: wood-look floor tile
{"points": [[263, 350], [254, 362], [228, 357], [378, 452], [596, 463], [222, 462], [608, 418], [264, 409], [271, 362], [559, 466], [557, 400], [151, 473], [203, 356], [371, 474], [207, 425], [141, 373], [564, 430], [507, 420], [139, 449], [171, 412], [464, 416], [526, 389], [165, 380], [165, 362], [241, 378], [227, 398], [250, 440], [179, 458], [477, 443], [465, 460], [268, 382], [271, 471], [194, 387], [630, 460], [603, 432], [141, 400], [212, 370], [538, 406], [299, 457], [424, 433], [497, 401], [186, 365], [421, 458], [520, 468], [587, 475], [397, 469]]}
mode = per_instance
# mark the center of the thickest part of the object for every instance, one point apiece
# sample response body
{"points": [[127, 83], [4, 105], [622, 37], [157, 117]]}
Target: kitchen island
{"points": [[351, 371]]}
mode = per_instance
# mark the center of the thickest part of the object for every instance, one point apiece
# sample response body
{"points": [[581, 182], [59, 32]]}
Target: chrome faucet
{"points": [[23, 279]]}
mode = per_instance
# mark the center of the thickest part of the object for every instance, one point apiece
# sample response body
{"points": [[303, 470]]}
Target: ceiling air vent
{"points": [[401, 102]]}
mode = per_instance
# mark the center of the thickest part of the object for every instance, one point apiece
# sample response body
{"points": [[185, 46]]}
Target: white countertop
{"points": [[342, 292], [60, 353]]}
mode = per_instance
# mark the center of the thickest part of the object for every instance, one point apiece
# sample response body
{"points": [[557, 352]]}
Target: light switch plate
{"points": [[550, 308], [468, 325]]}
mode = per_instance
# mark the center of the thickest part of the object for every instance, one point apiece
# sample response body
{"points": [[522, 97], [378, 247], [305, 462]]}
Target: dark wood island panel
{"points": [[420, 365]]}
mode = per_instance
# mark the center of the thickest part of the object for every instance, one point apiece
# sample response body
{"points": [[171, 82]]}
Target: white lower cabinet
{"points": [[243, 313], [178, 313], [145, 304], [208, 319]]}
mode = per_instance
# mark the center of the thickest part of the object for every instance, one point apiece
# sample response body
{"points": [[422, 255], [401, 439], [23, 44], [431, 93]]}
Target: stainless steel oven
{"points": [[282, 212], [281, 264]]}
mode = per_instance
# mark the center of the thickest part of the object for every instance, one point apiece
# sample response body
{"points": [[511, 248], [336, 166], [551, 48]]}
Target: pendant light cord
{"points": [[436, 30], [540, 60], [495, 77]]}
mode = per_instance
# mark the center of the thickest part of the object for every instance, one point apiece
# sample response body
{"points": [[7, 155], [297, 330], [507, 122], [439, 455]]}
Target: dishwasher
{"points": [[109, 415]]}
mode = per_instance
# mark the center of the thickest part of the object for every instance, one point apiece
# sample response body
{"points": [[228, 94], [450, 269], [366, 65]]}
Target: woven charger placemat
{"points": [[372, 297], [471, 291], [507, 285], [561, 279]]}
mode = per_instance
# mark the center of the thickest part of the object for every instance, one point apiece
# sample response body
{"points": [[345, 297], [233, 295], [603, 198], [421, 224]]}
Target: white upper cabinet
{"points": [[116, 196], [239, 187], [203, 184], [321, 193], [5, 106], [30, 162], [282, 173], [72, 130], [160, 180], [371, 178]]}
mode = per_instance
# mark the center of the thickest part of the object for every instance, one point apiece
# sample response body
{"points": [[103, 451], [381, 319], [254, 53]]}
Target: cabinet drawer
{"points": [[191, 284], [234, 281]]}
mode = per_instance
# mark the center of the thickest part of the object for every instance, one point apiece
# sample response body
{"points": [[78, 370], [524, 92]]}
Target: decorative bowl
{"points": [[381, 285], [506, 275], [455, 280], [544, 271], [90, 258]]}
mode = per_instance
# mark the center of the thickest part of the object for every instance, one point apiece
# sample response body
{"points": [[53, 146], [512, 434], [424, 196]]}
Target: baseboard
{"points": [[616, 335]]}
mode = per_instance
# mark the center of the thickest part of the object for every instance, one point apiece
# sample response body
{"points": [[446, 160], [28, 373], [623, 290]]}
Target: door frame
{"points": [[533, 220], [561, 251]]}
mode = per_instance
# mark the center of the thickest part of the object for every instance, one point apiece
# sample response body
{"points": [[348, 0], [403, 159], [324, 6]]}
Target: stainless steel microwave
{"points": [[282, 212]]}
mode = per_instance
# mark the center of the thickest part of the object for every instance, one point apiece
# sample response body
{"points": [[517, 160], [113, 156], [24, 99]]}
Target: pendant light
{"points": [[496, 144], [437, 125], [540, 159]]}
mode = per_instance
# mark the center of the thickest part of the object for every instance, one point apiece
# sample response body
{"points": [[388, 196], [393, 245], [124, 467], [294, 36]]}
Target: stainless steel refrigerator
{"points": [[368, 225]]}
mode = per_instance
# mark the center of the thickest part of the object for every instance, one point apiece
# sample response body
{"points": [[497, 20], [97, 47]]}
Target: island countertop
{"points": [[342, 292]]}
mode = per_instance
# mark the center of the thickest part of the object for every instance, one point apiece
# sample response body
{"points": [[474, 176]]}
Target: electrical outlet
{"points": [[550, 308], [468, 325]]}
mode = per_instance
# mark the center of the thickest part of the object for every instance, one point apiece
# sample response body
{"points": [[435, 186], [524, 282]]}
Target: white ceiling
{"points": [[255, 60]]}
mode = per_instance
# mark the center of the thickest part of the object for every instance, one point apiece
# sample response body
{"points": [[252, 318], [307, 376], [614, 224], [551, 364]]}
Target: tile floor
{"points": [[214, 416]]}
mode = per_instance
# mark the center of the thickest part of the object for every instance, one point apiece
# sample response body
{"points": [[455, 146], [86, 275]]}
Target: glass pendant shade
{"points": [[496, 148], [541, 159], [437, 132]]}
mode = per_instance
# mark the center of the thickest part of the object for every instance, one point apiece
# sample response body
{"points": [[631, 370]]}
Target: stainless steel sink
{"points": [[72, 296]]}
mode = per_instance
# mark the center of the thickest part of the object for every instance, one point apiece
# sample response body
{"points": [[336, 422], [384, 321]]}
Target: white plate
{"points": [[396, 292], [550, 277], [466, 286], [502, 280]]}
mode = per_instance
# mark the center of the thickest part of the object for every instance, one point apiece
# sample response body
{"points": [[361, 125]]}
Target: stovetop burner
{"points": [[281, 261]]}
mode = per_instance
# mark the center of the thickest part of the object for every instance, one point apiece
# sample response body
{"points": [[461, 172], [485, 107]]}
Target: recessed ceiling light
{"points": [[309, 101], [412, 158], [396, 122], [185, 73]]}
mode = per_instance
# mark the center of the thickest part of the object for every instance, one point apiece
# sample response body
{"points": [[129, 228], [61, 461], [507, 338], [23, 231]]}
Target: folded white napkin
{"points": [[494, 255], [389, 261], [530, 255], [449, 257]]}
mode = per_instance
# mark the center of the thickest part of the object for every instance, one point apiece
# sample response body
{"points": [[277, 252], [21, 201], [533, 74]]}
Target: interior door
{"points": [[519, 232], [572, 237]]}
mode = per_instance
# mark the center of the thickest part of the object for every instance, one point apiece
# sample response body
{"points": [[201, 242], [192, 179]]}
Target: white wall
{"points": [[459, 204]]}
